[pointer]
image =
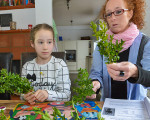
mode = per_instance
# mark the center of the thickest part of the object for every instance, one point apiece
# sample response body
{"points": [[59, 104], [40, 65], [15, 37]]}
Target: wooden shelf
{"points": [[16, 42], [17, 7], [15, 31]]}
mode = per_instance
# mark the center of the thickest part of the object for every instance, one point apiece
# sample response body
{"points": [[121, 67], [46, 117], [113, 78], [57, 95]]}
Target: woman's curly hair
{"points": [[138, 7]]}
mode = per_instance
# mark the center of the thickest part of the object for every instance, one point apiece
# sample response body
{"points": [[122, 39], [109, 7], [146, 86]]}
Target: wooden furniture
{"points": [[16, 42], [14, 97], [10, 105], [17, 7], [28, 56], [5, 62]]}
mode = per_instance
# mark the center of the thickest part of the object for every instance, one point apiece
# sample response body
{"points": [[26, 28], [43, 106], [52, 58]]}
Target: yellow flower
{"points": [[41, 73]]}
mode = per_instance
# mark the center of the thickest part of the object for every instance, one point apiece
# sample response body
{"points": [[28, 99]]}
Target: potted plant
{"points": [[13, 83]]}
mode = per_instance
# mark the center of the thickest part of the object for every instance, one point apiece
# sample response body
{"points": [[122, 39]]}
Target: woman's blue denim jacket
{"points": [[99, 71]]}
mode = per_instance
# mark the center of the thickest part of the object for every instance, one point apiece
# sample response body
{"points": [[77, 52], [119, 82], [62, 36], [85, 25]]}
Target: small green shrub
{"points": [[106, 47], [13, 83]]}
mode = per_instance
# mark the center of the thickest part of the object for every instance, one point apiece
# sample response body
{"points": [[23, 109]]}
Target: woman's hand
{"points": [[129, 69], [41, 95], [96, 86], [30, 97]]}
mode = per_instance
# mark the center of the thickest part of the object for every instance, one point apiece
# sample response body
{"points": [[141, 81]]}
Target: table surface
{"points": [[10, 105]]}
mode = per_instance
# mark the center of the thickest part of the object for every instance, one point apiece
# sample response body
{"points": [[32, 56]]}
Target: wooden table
{"points": [[10, 105]]}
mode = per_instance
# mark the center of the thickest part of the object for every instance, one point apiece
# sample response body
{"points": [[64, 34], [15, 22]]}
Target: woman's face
{"points": [[120, 23]]}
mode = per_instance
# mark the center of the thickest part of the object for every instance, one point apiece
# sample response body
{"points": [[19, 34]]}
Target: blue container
{"points": [[60, 38]]}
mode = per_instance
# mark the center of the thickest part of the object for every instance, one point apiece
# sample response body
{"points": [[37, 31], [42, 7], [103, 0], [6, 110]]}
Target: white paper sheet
{"points": [[118, 109]]}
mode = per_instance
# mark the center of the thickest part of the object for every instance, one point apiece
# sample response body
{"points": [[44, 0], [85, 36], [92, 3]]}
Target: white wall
{"points": [[43, 11], [146, 28], [74, 32], [22, 17]]}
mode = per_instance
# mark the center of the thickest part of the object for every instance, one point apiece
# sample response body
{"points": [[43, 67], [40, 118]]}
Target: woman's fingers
{"points": [[122, 71], [93, 96], [96, 85]]}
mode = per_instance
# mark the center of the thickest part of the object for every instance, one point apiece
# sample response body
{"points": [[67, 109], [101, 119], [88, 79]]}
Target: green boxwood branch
{"points": [[13, 83], [106, 47]]}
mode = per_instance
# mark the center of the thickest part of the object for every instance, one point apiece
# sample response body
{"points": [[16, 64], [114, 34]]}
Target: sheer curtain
{"points": [[55, 36]]}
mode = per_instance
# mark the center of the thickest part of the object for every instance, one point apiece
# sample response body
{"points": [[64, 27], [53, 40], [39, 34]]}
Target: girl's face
{"points": [[120, 23], [43, 44]]}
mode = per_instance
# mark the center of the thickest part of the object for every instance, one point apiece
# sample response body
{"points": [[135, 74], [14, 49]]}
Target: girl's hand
{"points": [[96, 86], [30, 97], [129, 69], [41, 95]]}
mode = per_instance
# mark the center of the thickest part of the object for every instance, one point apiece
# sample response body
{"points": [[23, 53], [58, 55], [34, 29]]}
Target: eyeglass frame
{"points": [[114, 13]]}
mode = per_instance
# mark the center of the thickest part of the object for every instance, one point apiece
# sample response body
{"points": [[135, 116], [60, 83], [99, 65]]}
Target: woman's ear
{"points": [[130, 14], [32, 43]]}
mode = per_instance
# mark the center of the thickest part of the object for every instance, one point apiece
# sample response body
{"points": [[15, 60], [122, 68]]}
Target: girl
{"points": [[49, 75]]}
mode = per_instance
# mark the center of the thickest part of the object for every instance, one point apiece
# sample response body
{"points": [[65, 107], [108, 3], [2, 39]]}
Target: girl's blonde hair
{"points": [[38, 27]]}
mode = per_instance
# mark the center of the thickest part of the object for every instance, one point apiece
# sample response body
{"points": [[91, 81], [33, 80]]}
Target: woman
{"points": [[124, 18]]}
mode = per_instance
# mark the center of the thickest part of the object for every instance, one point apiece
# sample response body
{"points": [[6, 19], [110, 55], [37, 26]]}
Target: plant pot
{"points": [[15, 97]]}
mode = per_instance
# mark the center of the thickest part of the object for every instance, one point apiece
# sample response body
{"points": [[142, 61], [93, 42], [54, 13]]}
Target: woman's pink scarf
{"points": [[128, 36]]}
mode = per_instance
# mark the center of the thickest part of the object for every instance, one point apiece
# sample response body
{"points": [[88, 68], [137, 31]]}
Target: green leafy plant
{"points": [[99, 116], [75, 114], [83, 87], [57, 114], [106, 47], [45, 116], [13, 83], [2, 115]]}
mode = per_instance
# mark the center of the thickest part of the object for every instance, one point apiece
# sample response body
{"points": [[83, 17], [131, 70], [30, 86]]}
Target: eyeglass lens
{"points": [[116, 13]]}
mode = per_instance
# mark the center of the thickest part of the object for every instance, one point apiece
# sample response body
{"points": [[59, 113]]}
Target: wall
{"points": [[43, 11], [33, 16], [22, 17], [74, 32], [146, 28]]}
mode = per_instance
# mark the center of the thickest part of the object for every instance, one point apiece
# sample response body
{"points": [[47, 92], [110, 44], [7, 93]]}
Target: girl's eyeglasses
{"points": [[116, 13]]}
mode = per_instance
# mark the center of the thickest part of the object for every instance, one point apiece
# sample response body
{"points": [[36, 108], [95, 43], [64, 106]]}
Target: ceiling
{"points": [[81, 12]]}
